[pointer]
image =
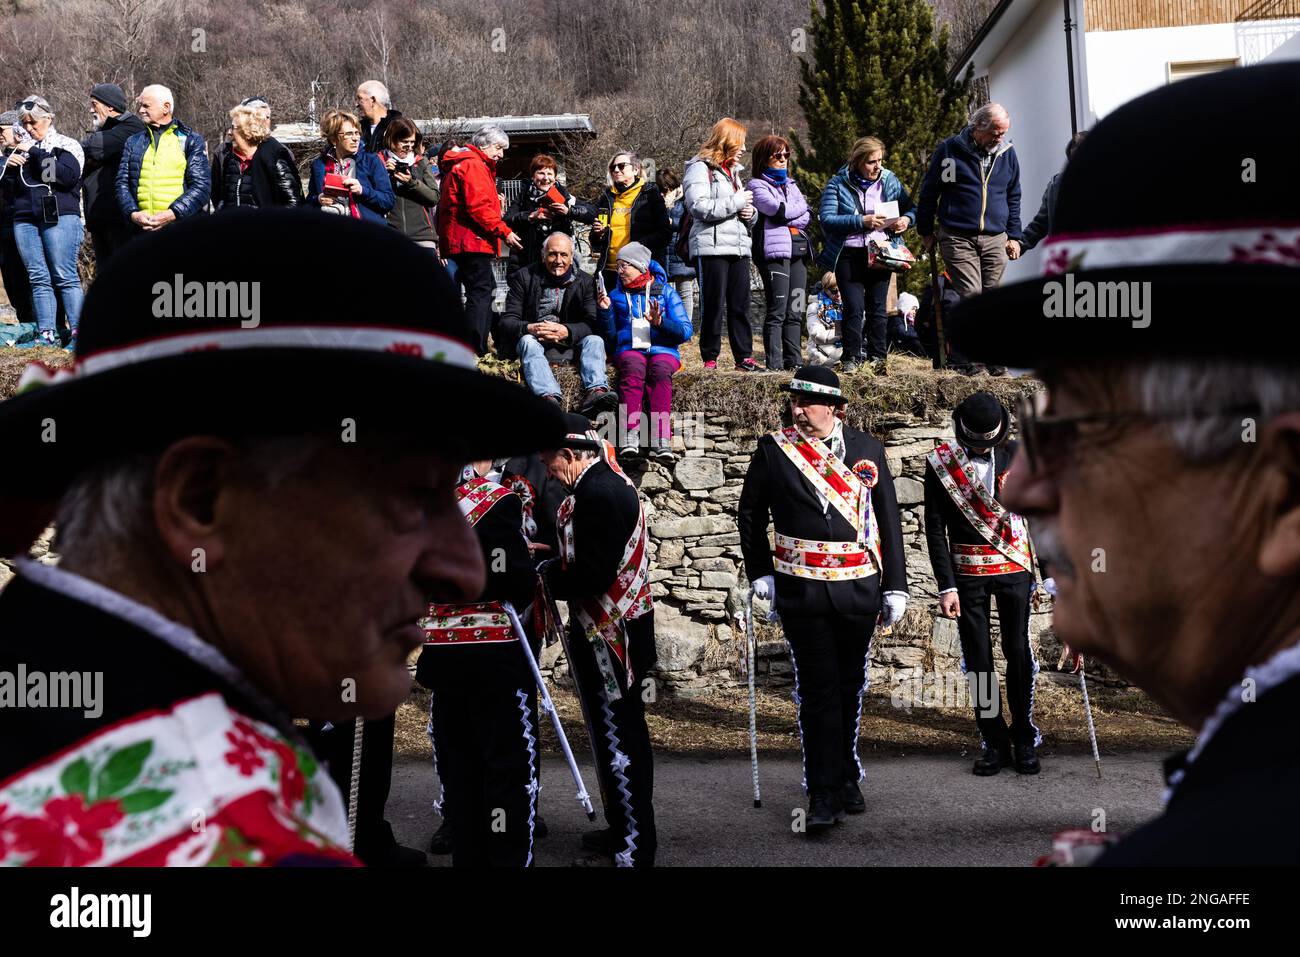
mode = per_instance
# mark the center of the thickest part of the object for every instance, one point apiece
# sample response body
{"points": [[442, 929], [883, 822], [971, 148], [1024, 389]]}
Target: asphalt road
{"points": [[921, 810]]}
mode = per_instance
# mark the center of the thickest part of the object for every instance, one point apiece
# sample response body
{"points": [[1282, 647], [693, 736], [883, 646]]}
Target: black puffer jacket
{"points": [[270, 180], [534, 232]]}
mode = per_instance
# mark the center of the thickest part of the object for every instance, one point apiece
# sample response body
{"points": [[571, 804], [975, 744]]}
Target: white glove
{"points": [[1049, 586], [764, 587], [895, 605]]}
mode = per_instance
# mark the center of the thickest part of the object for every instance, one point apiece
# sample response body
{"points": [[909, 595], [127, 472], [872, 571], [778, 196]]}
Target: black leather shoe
{"points": [[991, 761], [395, 856], [540, 830], [824, 811], [440, 843], [851, 798], [601, 842], [1026, 759]]}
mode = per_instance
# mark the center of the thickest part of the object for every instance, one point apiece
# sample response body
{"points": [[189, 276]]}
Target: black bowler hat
{"points": [[981, 421], [255, 324], [819, 382], [578, 434], [1190, 188]]}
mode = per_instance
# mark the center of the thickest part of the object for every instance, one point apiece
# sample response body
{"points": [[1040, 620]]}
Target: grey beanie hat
{"points": [[635, 254], [111, 95], [8, 118]]}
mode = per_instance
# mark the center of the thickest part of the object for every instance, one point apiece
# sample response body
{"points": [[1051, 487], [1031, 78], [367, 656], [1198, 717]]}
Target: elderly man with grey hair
{"points": [[375, 107], [1161, 467], [470, 223], [164, 173], [972, 188]]}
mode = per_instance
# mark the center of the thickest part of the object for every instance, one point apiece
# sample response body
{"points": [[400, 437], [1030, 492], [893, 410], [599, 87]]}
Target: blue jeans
{"points": [[537, 368], [49, 252]]}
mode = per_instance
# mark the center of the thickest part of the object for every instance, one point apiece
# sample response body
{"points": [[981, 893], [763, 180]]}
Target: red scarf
{"points": [[331, 166], [640, 282]]}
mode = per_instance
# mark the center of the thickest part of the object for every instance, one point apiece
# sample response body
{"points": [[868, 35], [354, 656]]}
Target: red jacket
{"points": [[469, 211]]}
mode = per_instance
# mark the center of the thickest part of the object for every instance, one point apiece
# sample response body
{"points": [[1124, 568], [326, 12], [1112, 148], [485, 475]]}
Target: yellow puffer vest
{"points": [[162, 171]]}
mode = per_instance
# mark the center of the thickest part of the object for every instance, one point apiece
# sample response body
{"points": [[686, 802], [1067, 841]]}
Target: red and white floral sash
{"points": [[477, 623], [848, 490], [1004, 530], [198, 784], [602, 617], [824, 561]]}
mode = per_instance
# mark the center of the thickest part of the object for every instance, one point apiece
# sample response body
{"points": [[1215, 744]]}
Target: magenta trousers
{"points": [[642, 378]]}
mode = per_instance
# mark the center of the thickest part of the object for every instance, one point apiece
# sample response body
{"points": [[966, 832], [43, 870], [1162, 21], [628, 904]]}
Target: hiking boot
{"points": [[850, 367], [598, 400]]}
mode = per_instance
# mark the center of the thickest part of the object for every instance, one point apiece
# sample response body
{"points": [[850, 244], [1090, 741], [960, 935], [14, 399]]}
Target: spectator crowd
{"points": [[610, 281]]}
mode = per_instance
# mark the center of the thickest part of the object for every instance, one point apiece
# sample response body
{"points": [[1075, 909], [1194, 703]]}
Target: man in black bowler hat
{"points": [[253, 489], [1161, 471], [980, 550], [837, 571]]}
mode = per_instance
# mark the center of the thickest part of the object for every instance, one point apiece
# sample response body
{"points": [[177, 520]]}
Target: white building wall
{"points": [[1123, 64], [1029, 78]]}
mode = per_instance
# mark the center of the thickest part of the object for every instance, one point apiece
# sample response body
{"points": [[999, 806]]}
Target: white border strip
{"points": [[1263, 244], [409, 342]]}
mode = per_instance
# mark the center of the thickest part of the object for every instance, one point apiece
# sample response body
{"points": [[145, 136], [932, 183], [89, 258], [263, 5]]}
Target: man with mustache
{"points": [[1161, 472], [837, 571], [980, 550], [251, 523]]}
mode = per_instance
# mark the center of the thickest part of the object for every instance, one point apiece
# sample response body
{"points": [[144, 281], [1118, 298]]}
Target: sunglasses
{"points": [[780, 156], [1049, 441], [614, 167]]}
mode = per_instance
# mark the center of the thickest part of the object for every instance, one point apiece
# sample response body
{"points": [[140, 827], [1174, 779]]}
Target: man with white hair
{"points": [[164, 174], [1161, 474], [375, 107], [470, 224], [972, 188]]}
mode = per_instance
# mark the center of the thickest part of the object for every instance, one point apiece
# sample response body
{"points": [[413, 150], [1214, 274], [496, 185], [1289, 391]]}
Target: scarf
{"points": [[862, 182], [776, 176], [553, 280], [334, 165], [640, 282]]}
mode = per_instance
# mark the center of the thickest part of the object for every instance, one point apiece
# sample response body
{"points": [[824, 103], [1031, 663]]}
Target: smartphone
{"points": [[50, 208], [600, 286]]}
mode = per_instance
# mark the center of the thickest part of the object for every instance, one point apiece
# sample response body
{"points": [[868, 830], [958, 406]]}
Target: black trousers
{"points": [[474, 273], [829, 655], [785, 309], [864, 292], [483, 715], [901, 338], [14, 275], [374, 835], [107, 239], [624, 761], [724, 290], [1012, 593]]}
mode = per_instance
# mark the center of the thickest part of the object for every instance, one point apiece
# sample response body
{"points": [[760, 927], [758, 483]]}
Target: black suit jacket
{"points": [[577, 311], [550, 494], [605, 510], [1236, 804], [777, 491], [946, 525], [511, 576]]}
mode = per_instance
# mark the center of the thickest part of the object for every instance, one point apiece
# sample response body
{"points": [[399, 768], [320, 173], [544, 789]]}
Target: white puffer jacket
{"points": [[715, 201]]}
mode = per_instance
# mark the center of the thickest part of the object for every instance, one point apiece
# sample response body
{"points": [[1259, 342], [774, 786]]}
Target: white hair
{"points": [[491, 135], [564, 237], [162, 93], [1213, 400], [110, 507], [379, 92], [987, 115]]}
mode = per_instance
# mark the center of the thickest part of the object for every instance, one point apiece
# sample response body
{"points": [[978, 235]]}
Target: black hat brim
{"points": [[1007, 325], [819, 396], [971, 441], [457, 411]]}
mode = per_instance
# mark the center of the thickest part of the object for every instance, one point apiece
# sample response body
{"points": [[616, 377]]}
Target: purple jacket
{"points": [[781, 207]]}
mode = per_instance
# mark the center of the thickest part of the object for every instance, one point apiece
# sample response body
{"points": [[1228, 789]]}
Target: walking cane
{"points": [[1087, 709], [549, 707], [750, 657], [354, 786]]}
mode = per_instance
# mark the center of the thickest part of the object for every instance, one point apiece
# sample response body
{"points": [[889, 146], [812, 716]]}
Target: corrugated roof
{"points": [[573, 124]]}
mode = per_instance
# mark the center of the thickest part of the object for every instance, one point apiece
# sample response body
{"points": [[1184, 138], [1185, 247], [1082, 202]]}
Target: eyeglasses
{"points": [[351, 133], [1049, 440]]}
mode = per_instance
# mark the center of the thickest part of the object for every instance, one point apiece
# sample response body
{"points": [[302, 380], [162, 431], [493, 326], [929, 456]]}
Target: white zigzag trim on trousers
{"points": [[1033, 677], [533, 787], [798, 717], [857, 723], [624, 857], [433, 743]]}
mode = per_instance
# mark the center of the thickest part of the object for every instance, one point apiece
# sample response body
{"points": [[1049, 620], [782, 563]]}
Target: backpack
{"points": [[682, 247]]}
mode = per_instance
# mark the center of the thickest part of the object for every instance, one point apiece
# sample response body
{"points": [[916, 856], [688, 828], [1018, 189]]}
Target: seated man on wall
{"points": [[550, 314]]}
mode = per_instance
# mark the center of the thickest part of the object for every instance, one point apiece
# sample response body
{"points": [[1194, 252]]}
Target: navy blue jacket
{"points": [[968, 204], [30, 188], [376, 197], [198, 174]]}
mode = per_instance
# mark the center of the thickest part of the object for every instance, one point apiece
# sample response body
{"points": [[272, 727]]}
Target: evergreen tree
{"points": [[876, 68]]}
